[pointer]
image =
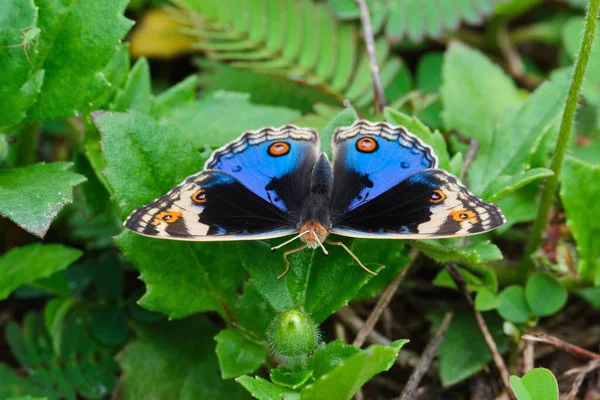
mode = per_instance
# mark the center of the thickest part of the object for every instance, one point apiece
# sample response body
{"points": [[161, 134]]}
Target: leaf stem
{"points": [[365, 20], [27, 144], [539, 225]]}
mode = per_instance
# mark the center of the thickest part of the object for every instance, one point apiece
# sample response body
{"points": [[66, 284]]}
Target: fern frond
{"points": [[296, 39]]}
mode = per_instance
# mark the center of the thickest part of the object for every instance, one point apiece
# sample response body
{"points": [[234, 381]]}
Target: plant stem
{"points": [[27, 144], [539, 225]]}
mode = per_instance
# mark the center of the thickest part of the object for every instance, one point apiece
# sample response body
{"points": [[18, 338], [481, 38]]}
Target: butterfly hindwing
{"points": [[428, 204], [371, 158], [274, 163], [210, 205]]}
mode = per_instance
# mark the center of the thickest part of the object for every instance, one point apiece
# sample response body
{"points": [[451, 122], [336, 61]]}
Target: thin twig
{"points": [[514, 63], [384, 300], [365, 20], [591, 366], [406, 358], [426, 359], [560, 344], [489, 340], [528, 357], [469, 157]]}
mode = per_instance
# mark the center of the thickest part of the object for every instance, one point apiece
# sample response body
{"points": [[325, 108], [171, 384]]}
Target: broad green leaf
{"points": [[343, 381], [486, 300], [175, 96], [174, 360], [416, 127], [26, 264], [429, 72], [223, 116], [237, 355], [503, 185], [28, 398], [591, 296], [13, 384], [264, 390], [477, 279], [309, 282], [346, 117], [463, 351], [290, 377], [579, 194], [545, 295], [513, 305], [519, 135], [32, 196], [329, 356], [77, 39], [20, 80], [471, 254], [136, 93], [476, 93], [115, 72], [537, 384]]}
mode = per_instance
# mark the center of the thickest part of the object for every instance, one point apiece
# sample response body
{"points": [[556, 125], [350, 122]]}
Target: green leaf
{"points": [[503, 185], [26, 264], [513, 305], [545, 295], [330, 356], [416, 127], [486, 300], [463, 352], [115, 72], [32, 196], [209, 122], [519, 135], [580, 202], [109, 325], [265, 390], [290, 377], [13, 384], [176, 360], [20, 81], [591, 296], [237, 355], [469, 80], [346, 117], [537, 384], [55, 314], [175, 96], [136, 93], [78, 38], [309, 281], [471, 254], [343, 381]]}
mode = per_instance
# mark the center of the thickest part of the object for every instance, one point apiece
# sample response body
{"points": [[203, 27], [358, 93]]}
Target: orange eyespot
{"points": [[367, 145], [464, 215], [199, 197], [167, 216], [437, 196], [279, 149]]}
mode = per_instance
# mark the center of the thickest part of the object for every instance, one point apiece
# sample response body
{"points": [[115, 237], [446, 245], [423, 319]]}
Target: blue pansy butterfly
{"points": [[383, 183]]}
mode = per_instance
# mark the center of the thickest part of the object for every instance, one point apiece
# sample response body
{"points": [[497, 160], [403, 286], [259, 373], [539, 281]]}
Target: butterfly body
{"points": [[383, 182]]}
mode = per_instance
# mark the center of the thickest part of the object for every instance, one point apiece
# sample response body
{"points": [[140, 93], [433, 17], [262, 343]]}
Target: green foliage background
{"points": [[90, 129]]}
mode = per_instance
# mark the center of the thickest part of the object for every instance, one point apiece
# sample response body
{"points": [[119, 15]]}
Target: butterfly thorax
{"points": [[316, 215]]}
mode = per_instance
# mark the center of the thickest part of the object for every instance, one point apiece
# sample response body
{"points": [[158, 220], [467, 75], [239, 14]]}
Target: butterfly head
{"points": [[313, 233]]}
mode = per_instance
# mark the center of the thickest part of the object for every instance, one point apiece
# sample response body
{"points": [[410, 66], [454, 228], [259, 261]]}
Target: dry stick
{"points": [[498, 360], [528, 357], [560, 344], [469, 157], [365, 20], [426, 359], [591, 366], [384, 300]]}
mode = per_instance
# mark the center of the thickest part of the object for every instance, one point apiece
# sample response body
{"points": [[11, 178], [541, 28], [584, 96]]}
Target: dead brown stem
{"points": [[591, 366], [560, 344]]}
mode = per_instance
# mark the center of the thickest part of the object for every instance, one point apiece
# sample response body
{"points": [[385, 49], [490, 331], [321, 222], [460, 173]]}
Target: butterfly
{"points": [[383, 183]]}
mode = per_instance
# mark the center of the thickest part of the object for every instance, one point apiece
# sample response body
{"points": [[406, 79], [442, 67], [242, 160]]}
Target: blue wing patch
{"points": [[274, 163], [371, 158]]}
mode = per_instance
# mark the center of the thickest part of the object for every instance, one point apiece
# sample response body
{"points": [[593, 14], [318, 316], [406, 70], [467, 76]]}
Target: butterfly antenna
{"points": [[320, 244], [289, 241], [351, 254]]}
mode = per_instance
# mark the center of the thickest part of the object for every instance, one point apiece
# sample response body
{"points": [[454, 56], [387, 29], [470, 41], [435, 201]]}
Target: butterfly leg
{"points": [[287, 263], [351, 254]]}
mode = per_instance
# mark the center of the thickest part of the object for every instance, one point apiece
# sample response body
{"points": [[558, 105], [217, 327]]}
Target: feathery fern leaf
{"points": [[296, 39], [417, 19]]}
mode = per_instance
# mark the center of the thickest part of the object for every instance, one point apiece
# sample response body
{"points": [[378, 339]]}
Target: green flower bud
{"points": [[292, 336]]}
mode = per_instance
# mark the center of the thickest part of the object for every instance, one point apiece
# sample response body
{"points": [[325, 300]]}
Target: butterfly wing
{"points": [[428, 204], [274, 163], [371, 158], [211, 205]]}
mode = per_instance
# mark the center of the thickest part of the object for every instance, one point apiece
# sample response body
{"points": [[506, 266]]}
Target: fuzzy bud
{"points": [[292, 336]]}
